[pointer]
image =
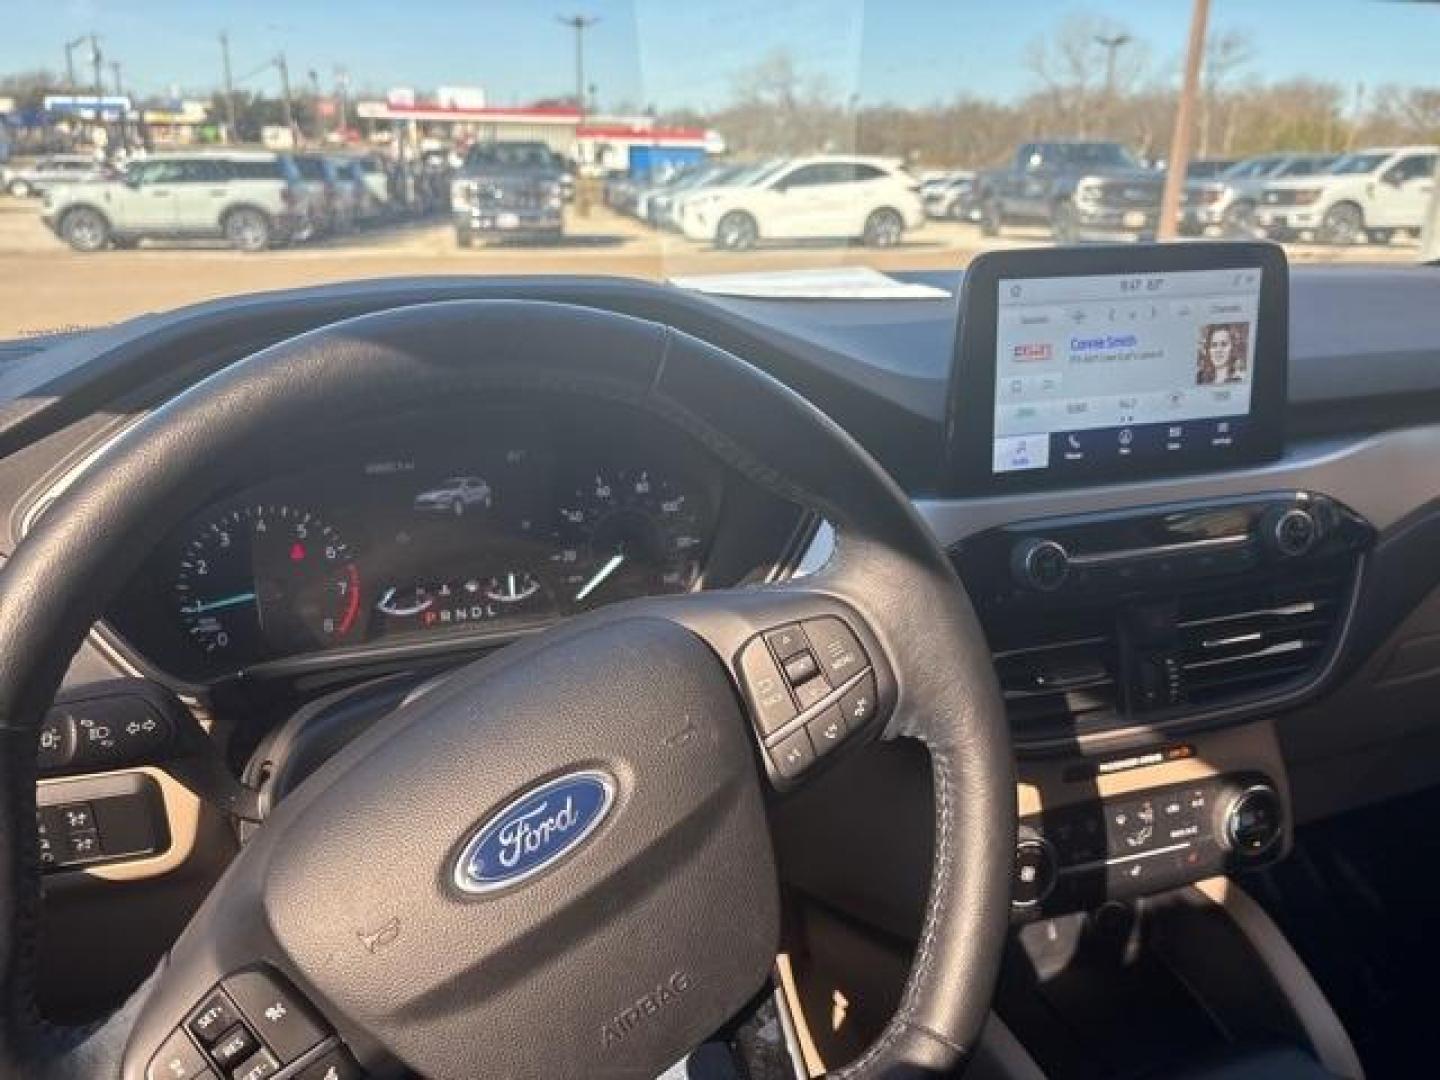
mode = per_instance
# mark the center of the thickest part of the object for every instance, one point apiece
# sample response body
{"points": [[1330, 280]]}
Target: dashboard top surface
{"points": [[877, 366]]}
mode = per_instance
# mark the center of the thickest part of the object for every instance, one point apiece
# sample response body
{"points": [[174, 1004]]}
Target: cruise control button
{"points": [[283, 1022], [839, 653], [765, 686], [237, 1044], [786, 641], [826, 730], [332, 1065], [793, 754], [178, 1060], [801, 668], [215, 1017], [858, 703], [259, 1067]]}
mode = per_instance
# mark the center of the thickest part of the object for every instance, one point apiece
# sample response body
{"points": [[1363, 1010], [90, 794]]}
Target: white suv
{"points": [[813, 198], [1366, 195]]}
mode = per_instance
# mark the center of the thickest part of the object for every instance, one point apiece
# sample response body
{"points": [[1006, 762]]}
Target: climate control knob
{"points": [[1291, 532], [1040, 564], [1252, 820]]}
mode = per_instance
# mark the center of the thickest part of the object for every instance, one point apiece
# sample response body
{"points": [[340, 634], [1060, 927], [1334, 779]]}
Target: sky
{"points": [[678, 53]]}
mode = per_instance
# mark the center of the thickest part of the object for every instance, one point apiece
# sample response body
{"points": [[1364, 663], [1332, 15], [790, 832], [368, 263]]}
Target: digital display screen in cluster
{"points": [[1097, 371]]}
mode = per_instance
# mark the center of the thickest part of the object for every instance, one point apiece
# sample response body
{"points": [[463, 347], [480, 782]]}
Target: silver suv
{"points": [[1228, 201], [252, 199]]}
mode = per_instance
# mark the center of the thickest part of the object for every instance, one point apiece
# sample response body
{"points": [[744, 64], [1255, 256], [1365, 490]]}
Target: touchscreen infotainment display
{"points": [[1128, 366], [1091, 364]]}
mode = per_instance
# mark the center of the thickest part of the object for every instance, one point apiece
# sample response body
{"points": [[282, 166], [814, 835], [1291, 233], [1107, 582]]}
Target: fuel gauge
{"points": [[512, 587]]}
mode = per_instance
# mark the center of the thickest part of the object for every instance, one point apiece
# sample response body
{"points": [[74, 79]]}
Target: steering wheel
{"points": [[557, 863]]}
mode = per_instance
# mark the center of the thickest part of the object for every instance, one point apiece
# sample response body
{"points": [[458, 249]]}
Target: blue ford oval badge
{"points": [[534, 831]]}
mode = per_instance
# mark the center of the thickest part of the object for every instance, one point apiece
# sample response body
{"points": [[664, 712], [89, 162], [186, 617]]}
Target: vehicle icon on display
{"points": [[455, 495]]}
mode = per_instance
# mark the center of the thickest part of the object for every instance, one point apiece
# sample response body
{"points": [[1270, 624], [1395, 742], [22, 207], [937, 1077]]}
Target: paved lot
{"points": [[44, 286]]}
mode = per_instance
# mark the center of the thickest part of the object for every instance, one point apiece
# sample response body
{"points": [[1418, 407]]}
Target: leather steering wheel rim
{"points": [[886, 564]]}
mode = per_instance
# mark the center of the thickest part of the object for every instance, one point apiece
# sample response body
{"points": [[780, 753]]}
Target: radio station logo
{"points": [[1031, 352]]}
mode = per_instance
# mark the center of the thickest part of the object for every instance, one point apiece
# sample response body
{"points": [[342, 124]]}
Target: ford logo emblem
{"points": [[534, 831]]}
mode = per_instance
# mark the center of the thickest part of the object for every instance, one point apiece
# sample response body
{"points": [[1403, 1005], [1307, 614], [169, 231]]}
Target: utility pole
{"points": [[96, 59], [579, 23], [230, 132], [284, 69], [70, 47], [1180, 139], [115, 74]]}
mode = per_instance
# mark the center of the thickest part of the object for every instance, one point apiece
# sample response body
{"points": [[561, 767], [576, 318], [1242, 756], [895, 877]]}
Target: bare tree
{"points": [[1225, 53], [1085, 66]]}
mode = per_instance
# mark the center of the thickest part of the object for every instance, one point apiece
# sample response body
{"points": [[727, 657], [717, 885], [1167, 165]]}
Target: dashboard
{"points": [[423, 540], [465, 525]]}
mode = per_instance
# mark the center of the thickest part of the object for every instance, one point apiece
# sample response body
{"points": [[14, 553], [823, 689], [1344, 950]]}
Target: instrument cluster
{"points": [[482, 524]]}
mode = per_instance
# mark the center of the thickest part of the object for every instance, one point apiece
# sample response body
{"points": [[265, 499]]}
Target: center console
{"points": [[1131, 643]]}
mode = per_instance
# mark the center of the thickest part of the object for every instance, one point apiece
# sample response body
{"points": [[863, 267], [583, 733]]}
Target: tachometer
{"points": [[266, 579], [631, 531]]}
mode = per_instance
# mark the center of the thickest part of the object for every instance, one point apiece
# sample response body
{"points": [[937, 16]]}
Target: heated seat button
{"points": [[283, 1022], [793, 754], [332, 1065], [215, 1017], [786, 641], [826, 730], [858, 703], [765, 687], [839, 653], [178, 1060]]}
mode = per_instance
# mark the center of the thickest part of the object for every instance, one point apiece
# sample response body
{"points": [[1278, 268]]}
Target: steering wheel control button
{"points": [[259, 1066], [1035, 873], [786, 641], [334, 1064], [178, 1060], [765, 687], [840, 655], [858, 703], [283, 1022], [801, 667], [826, 730], [812, 693], [793, 754], [236, 1044], [215, 1017]]}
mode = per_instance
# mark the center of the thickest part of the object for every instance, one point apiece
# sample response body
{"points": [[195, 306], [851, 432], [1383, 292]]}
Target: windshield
{"points": [[645, 139], [510, 156]]}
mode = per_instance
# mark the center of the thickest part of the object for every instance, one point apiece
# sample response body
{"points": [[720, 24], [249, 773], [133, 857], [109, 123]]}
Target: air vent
{"points": [[1249, 642], [1061, 684]]}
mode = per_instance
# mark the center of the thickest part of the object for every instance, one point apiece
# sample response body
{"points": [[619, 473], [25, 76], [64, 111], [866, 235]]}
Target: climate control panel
{"points": [[1082, 854]]}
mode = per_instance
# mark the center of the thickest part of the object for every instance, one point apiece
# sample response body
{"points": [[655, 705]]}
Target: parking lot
{"points": [[44, 286]]}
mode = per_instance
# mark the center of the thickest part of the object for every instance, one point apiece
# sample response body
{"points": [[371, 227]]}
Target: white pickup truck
{"points": [[1366, 195]]}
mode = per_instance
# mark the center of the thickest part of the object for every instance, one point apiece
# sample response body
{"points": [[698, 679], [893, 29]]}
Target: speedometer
{"points": [[630, 531], [265, 579]]}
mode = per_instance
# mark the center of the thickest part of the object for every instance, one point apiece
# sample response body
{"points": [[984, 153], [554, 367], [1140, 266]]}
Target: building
{"points": [[632, 144]]}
